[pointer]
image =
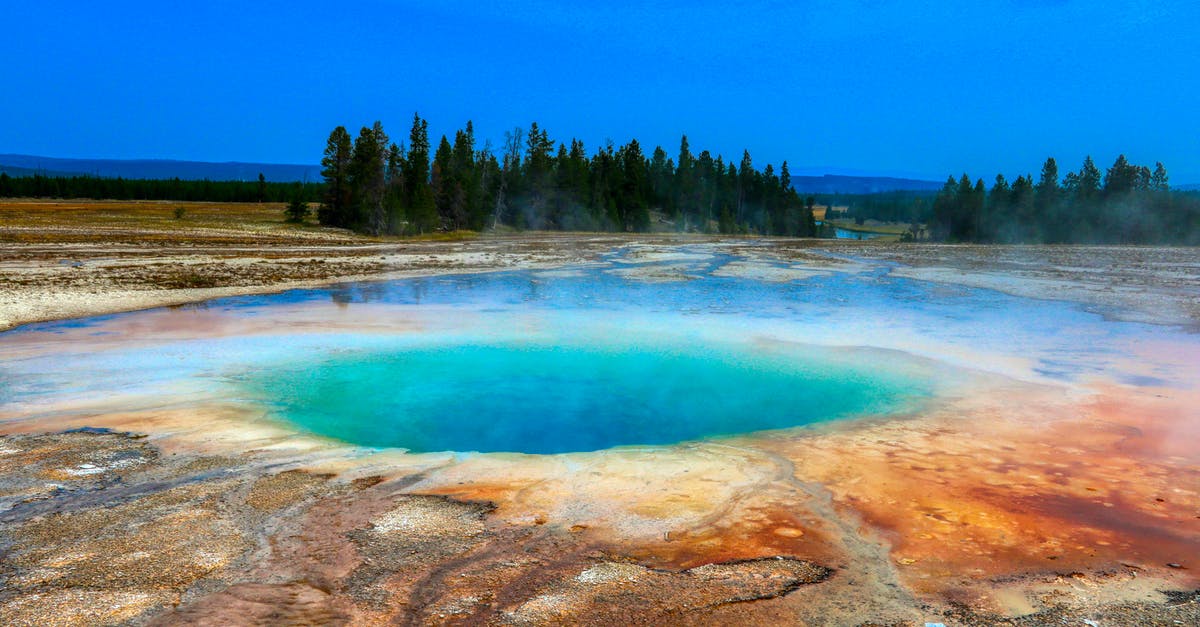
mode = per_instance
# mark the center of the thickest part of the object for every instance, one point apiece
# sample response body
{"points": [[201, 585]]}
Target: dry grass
{"points": [[108, 222], [820, 212]]}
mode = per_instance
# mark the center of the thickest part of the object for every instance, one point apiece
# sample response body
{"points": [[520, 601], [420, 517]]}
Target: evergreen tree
{"points": [[1047, 200], [1047, 187], [1088, 180], [538, 170], [745, 185], [998, 208], [467, 179], [1121, 178], [684, 199], [395, 195], [421, 211], [945, 209], [660, 182], [708, 178], [1024, 208], [443, 182], [631, 193], [1158, 180], [297, 209], [335, 167], [367, 181]]}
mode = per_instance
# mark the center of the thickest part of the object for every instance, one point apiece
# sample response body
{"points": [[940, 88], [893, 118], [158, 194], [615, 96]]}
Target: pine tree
{"points": [[945, 209], [708, 175], [745, 183], [1158, 180], [335, 167], [467, 197], [1121, 178], [395, 196], [422, 213], [537, 171], [367, 181], [631, 194], [297, 209], [1047, 202], [1088, 179], [683, 198], [1024, 210], [997, 209], [660, 182], [1047, 187], [442, 180]]}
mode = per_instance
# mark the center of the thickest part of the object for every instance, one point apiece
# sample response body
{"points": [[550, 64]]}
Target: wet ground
{"points": [[1054, 478]]}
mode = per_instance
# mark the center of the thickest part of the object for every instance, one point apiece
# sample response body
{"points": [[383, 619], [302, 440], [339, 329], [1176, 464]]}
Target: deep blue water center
{"points": [[556, 398]]}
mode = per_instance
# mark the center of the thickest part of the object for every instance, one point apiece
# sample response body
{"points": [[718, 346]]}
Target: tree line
{"points": [[374, 185], [1127, 203], [95, 187]]}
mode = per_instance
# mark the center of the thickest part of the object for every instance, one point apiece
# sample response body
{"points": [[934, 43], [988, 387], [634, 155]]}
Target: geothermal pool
{"points": [[644, 348], [665, 424], [569, 395]]}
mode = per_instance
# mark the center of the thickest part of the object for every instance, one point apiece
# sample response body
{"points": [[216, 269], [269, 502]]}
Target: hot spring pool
{"points": [[567, 397], [633, 350]]}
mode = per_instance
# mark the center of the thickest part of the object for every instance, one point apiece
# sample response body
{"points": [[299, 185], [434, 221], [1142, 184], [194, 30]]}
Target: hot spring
{"points": [[538, 397], [708, 420], [638, 350]]}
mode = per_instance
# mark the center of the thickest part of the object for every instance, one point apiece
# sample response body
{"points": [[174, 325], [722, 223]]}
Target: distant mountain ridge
{"points": [[28, 165], [846, 184]]}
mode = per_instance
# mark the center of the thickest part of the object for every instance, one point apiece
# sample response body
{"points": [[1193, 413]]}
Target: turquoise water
{"points": [[556, 398]]}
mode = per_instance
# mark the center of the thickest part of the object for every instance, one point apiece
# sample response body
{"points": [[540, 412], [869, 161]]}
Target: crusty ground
{"points": [[1156, 284], [898, 523]]}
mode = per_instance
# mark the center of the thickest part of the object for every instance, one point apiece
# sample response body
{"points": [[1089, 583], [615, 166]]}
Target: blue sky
{"points": [[887, 87]]}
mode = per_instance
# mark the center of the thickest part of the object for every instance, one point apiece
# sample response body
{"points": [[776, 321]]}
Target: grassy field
{"points": [[76, 221]]}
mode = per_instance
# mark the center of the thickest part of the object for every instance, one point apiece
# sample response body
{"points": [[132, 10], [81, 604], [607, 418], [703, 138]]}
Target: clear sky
{"points": [[883, 87]]}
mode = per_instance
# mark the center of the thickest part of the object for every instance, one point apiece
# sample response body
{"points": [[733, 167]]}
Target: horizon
{"points": [[798, 172], [898, 90]]}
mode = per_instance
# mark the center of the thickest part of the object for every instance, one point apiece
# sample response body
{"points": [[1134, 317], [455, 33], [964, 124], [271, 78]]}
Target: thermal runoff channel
{"points": [[568, 396]]}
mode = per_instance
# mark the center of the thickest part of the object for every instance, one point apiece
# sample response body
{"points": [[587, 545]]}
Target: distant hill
{"points": [[844, 184], [1190, 187], [15, 171], [27, 165]]}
